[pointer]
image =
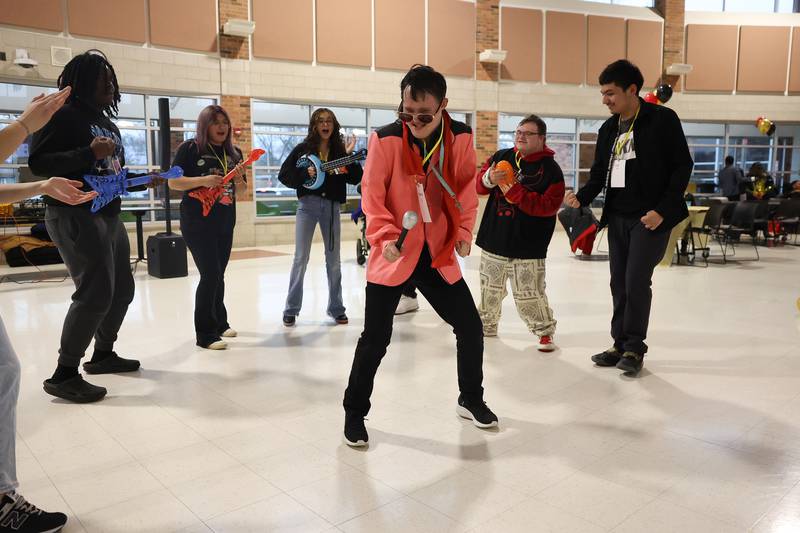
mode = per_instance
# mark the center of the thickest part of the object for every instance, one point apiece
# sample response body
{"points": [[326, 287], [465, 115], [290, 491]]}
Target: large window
{"points": [[710, 143], [138, 125], [752, 6], [573, 141], [640, 3], [279, 127]]}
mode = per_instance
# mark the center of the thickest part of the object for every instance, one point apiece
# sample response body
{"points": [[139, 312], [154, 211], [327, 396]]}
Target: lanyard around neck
{"points": [[621, 143], [224, 157], [435, 146]]}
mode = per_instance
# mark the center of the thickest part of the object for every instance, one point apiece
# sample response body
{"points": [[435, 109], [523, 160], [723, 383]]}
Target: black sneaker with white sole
{"points": [[355, 432], [19, 516], [631, 362], [478, 412], [609, 357]]}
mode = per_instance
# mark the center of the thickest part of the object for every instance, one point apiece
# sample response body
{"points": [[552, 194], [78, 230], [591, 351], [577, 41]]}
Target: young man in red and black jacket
{"points": [[516, 229]]}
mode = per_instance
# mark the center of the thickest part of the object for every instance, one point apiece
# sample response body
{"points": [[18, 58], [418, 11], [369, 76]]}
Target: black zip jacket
{"points": [[335, 186], [657, 178]]}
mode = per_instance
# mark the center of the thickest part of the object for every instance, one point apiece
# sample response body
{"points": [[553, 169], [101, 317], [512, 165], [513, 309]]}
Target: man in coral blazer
{"points": [[424, 162]]}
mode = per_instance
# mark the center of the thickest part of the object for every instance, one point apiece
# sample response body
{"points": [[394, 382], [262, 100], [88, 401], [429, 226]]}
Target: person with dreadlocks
{"points": [[319, 206], [205, 160], [424, 162], [81, 139]]}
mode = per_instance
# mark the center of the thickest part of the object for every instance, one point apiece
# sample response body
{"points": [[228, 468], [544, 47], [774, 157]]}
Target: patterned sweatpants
{"points": [[527, 286]]}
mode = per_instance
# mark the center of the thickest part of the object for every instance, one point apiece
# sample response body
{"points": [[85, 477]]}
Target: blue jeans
{"points": [[9, 390], [313, 210]]}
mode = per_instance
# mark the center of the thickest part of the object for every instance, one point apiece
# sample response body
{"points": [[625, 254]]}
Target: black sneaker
{"points": [[608, 358], [478, 412], [631, 362], [341, 319], [20, 516], [355, 433], [75, 389], [288, 321], [111, 364]]}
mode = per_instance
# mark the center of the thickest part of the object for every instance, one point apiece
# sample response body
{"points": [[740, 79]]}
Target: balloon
{"points": [[651, 98], [765, 125], [664, 92]]}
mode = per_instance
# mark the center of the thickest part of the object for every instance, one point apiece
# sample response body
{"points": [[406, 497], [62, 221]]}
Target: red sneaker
{"points": [[546, 344]]}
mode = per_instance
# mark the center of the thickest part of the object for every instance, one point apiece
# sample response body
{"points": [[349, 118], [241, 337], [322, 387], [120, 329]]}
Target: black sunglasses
{"points": [[425, 118]]}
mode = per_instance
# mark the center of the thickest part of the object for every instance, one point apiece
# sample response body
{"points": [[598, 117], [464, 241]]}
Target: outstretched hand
{"points": [[67, 191]]}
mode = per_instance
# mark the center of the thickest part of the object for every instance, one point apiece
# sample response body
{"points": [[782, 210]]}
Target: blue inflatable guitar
{"points": [[113, 186], [329, 167]]}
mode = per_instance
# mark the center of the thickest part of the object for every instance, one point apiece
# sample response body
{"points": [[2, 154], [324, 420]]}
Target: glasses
{"points": [[425, 118], [526, 134], [324, 121]]}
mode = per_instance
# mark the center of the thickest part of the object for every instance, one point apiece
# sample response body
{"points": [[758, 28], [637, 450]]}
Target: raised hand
{"points": [[351, 143], [41, 109]]}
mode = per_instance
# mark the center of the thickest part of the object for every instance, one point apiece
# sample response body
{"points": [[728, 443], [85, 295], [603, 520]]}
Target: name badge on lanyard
{"points": [[618, 174], [423, 202]]}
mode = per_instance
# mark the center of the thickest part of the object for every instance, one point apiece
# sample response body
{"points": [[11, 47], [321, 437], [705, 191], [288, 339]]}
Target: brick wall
{"points": [[238, 108], [487, 35], [229, 46], [485, 135], [673, 12]]}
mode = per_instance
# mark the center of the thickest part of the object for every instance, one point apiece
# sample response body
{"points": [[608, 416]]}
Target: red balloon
{"points": [[651, 98]]}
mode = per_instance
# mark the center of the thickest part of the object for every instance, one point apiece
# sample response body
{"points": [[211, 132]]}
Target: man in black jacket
{"points": [[643, 163]]}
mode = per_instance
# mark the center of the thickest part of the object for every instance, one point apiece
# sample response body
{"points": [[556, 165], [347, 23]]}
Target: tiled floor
{"points": [[249, 440]]}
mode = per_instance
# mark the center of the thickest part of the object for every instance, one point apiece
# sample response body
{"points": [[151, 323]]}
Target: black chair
{"points": [[787, 216], [709, 230], [743, 222], [761, 222]]}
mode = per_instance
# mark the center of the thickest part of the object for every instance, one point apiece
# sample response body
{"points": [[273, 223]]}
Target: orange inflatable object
{"points": [[505, 166]]}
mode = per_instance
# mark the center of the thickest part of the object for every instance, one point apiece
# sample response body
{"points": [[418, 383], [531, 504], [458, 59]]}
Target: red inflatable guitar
{"points": [[208, 196]]}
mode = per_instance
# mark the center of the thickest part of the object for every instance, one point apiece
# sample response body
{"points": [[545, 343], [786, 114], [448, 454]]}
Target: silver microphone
{"points": [[409, 221]]}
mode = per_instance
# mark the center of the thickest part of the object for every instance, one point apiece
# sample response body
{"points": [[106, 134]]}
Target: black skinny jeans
{"points": [[453, 303]]}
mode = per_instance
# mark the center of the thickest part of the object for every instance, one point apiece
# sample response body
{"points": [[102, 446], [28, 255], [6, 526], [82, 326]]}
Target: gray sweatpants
{"points": [[96, 252]]}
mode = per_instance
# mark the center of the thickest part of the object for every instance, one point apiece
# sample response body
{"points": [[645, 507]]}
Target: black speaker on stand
{"points": [[166, 252]]}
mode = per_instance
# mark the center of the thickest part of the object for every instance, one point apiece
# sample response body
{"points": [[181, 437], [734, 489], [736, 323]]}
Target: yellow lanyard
{"points": [[517, 159], [435, 146], [621, 144], [224, 156]]}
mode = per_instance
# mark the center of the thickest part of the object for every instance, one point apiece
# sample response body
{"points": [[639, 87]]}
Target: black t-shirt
{"points": [[626, 201], [202, 163]]}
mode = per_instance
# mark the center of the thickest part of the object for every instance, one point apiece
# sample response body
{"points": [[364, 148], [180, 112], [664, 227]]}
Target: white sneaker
{"points": [[230, 332], [546, 344], [490, 331], [406, 305], [217, 345]]}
